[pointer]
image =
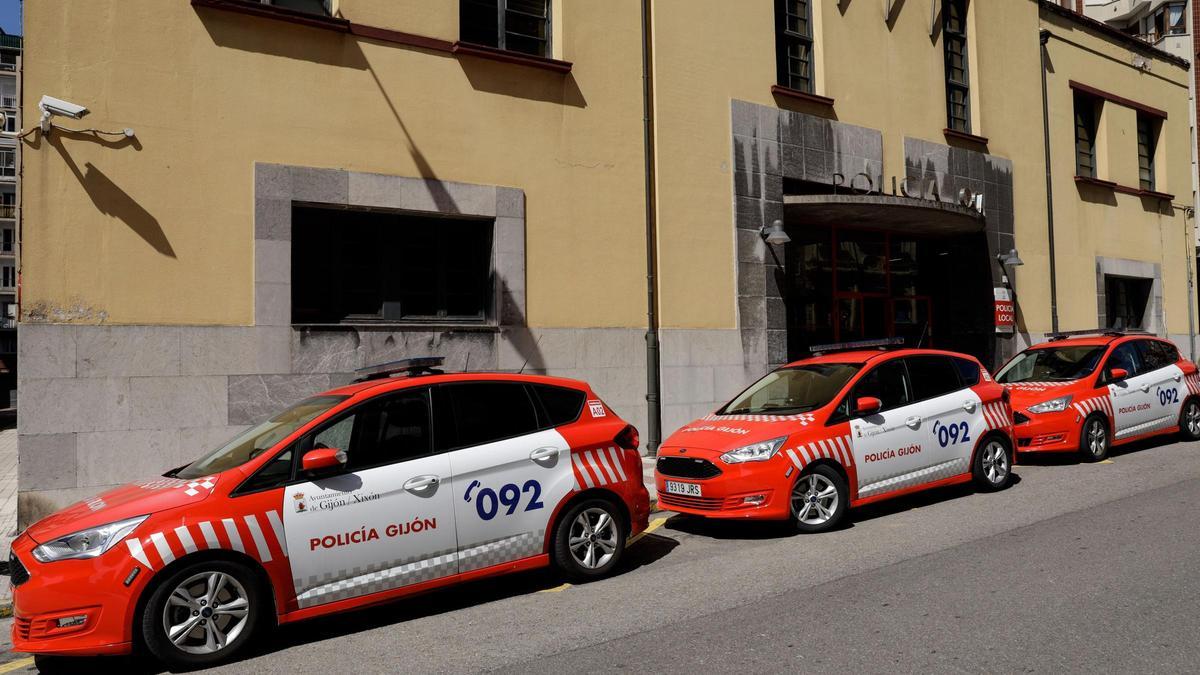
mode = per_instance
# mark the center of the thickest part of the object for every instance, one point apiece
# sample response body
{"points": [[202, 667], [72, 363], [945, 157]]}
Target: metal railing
{"points": [[8, 210]]}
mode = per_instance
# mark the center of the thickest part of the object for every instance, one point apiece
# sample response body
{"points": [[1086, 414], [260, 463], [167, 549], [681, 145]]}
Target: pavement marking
{"points": [[1105, 461], [556, 589], [654, 525], [16, 665]]}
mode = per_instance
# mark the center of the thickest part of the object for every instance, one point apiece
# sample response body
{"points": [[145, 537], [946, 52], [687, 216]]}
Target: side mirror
{"points": [[1115, 374], [323, 459], [867, 405]]}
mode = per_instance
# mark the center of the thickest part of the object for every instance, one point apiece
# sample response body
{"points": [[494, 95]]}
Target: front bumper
{"points": [[1048, 432], [67, 590], [751, 490]]}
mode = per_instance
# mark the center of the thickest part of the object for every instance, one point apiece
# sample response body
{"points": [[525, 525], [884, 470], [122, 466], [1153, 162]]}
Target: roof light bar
{"points": [[1113, 332], [414, 366], [883, 343]]}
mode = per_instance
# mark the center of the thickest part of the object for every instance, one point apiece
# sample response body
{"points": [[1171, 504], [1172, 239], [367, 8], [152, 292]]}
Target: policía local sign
{"points": [[1005, 310]]}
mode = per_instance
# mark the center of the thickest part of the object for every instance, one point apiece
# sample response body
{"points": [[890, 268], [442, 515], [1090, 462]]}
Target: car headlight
{"points": [[755, 452], [88, 543], [1053, 405]]}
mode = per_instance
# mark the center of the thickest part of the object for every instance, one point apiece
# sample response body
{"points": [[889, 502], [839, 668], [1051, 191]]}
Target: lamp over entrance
{"points": [[774, 234]]}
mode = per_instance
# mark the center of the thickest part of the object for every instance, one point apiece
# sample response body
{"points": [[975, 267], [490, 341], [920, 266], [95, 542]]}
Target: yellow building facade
{"points": [[313, 187]]}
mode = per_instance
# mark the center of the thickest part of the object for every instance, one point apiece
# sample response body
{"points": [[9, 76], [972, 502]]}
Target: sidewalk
{"points": [[648, 479]]}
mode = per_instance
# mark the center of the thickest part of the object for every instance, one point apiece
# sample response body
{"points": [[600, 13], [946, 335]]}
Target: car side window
{"points": [[485, 412], [1126, 357], [561, 405], [887, 382], [273, 474], [1157, 354], [932, 376], [395, 428], [968, 371], [338, 435]]}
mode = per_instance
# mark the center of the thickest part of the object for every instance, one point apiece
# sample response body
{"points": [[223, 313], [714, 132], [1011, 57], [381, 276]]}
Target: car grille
{"points": [[1019, 418], [22, 627], [687, 467], [698, 503], [17, 571]]}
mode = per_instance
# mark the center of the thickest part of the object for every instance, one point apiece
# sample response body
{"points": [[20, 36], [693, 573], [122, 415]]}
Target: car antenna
{"points": [[536, 342], [922, 338]]}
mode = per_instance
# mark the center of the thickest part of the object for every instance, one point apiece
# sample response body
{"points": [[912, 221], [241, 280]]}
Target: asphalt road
{"points": [[1075, 568]]}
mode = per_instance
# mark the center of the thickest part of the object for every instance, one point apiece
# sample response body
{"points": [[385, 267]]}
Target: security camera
{"points": [[57, 106]]}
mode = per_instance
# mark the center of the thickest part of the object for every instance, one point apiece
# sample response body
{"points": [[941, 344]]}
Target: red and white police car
{"points": [[1086, 391], [841, 429], [406, 481]]}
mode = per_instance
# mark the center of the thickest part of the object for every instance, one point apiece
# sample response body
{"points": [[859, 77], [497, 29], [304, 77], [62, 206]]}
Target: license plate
{"points": [[688, 489]]}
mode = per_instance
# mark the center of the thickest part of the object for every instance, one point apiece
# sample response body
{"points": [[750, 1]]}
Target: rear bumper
{"points": [[753, 490]]}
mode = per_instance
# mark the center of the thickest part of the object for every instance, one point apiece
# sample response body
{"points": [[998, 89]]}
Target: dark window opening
{"points": [[358, 266], [1127, 299], [1147, 139], [958, 86], [515, 25], [1085, 135], [794, 45], [310, 6]]}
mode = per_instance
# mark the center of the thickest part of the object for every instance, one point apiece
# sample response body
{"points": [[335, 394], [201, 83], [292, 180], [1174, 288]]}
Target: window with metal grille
{"points": [[515, 25], [1085, 135], [794, 45], [958, 86], [353, 266], [1147, 139]]}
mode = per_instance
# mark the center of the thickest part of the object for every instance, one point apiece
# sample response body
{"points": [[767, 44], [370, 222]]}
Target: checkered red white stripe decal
{"points": [[190, 488], [837, 448], [995, 415], [597, 467], [1037, 386], [1088, 406], [803, 419], [263, 533], [1193, 383]]}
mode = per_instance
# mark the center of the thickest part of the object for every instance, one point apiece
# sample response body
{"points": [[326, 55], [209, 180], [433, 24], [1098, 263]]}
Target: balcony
{"points": [[8, 211]]}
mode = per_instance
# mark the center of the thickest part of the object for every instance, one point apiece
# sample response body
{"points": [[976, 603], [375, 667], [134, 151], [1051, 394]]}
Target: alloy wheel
{"points": [[995, 463], [593, 538], [1191, 418], [206, 612], [1097, 438], [814, 499]]}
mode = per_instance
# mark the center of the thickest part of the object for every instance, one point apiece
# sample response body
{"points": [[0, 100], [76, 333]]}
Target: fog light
{"points": [[754, 499], [71, 621]]}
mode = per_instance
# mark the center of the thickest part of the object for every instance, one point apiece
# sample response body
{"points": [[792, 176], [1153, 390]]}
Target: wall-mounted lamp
{"points": [[774, 233], [1010, 259]]}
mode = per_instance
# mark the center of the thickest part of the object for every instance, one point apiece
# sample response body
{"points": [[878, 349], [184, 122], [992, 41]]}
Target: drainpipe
{"points": [[1044, 37], [1189, 247], [653, 405]]}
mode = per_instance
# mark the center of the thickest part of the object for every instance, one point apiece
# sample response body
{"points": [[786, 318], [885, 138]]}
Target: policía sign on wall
{"points": [[1005, 311]]}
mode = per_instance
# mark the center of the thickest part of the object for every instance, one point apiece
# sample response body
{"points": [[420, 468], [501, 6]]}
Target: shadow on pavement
{"points": [[1073, 458], [649, 549]]}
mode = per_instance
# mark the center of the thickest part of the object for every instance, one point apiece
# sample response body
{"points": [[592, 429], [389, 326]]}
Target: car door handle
{"points": [[543, 454], [1178, 378], [969, 406], [913, 422], [1145, 389], [422, 483]]}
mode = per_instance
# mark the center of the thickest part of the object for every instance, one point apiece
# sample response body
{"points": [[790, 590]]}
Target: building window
{"points": [[10, 123], [1085, 135], [8, 93], [515, 25], [8, 163], [310, 6], [958, 87], [360, 267], [794, 45], [9, 274], [1126, 300], [6, 240], [1147, 139]]}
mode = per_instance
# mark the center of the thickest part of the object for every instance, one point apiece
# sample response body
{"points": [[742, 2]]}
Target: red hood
{"points": [[1028, 393], [726, 432], [127, 501]]}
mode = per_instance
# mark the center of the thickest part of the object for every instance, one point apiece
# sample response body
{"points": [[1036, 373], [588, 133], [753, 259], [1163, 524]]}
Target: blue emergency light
{"points": [[423, 365], [882, 343]]}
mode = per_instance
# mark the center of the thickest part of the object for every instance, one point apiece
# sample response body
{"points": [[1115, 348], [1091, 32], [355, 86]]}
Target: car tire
{"points": [[589, 539], [190, 598], [1189, 420], [992, 466], [813, 507], [1093, 439]]}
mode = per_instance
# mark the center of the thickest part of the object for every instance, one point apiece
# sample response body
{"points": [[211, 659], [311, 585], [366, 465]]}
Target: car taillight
{"points": [[628, 438]]}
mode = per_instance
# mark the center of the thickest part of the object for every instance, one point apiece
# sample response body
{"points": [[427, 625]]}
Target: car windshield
{"points": [[1052, 364], [257, 440], [793, 390]]}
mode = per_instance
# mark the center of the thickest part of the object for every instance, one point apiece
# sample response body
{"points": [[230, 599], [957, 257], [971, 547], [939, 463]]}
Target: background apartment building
{"points": [[10, 78], [365, 180]]}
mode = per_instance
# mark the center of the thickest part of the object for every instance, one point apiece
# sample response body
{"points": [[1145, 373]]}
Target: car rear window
{"points": [[562, 405]]}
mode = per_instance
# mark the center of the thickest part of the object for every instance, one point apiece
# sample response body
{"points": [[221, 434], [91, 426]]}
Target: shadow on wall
{"points": [[516, 331], [523, 82], [107, 196]]}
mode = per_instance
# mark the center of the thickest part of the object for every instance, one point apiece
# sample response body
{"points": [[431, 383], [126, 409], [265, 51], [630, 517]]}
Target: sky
{"points": [[10, 16]]}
